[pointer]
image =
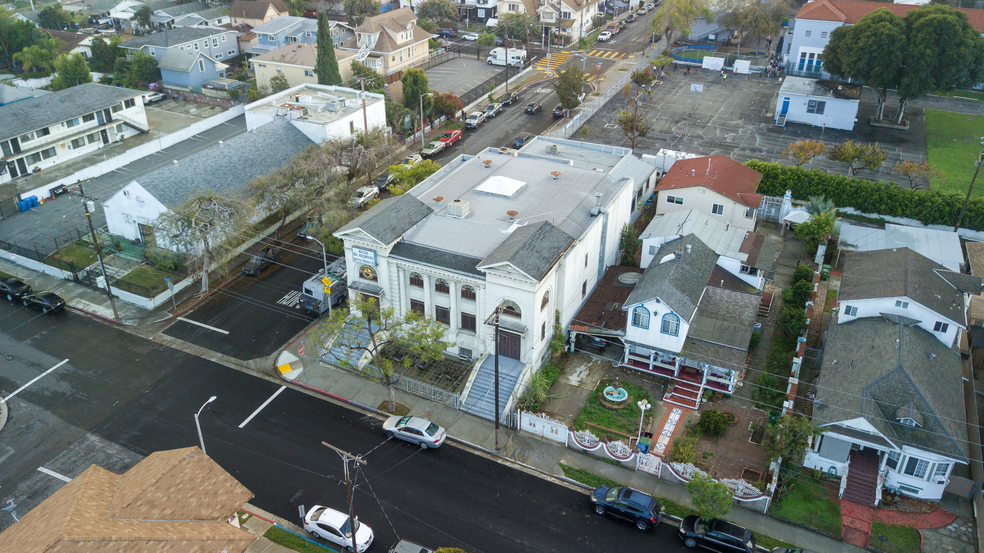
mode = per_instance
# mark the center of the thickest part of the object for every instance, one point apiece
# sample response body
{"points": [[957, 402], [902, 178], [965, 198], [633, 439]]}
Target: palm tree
{"points": [[819, 205], [34, 58]]}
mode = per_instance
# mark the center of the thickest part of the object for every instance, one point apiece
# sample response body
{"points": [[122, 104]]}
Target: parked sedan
{"points": [[383, 181], [13, 288], [508, 98], [415, 430], [363, 196], [559, 111], [716, 535], [336, 527], [432, 149], [522, 139], [151, 97], [412, 160], [267, 256], [470, 37], [604, 36], [451, 137], [493, 109], [47, 302], [447, 33], [534, 107], [641, 509]]}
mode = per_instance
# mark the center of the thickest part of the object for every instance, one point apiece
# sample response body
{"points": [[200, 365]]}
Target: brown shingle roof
{"points": [[303, 54], [853, 11], [719, 173], [602, 313], [71, 40], [256, 9], [975, 255], [394, 21], [172, 501]]}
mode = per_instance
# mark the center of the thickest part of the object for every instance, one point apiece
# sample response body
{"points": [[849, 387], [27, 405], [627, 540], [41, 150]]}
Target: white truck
{"points": [[513, 57]]}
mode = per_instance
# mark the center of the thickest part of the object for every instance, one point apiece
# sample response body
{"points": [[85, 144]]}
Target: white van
{"points": [[514, 57]]}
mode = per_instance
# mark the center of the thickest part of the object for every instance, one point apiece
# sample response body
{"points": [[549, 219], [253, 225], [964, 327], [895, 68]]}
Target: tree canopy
{"points": [[143, 15], [415, 85], [711, 499], [72, 71], [16, 34], [326, 65], [357, 10], [136, 71], [439, 11], [54, 17], [105, 54], [677, 16], [363, 75], [570, 86]]}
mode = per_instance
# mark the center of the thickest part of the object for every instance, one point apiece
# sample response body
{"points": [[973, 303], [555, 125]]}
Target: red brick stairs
{"points": [[686, 393], [862, 478]]}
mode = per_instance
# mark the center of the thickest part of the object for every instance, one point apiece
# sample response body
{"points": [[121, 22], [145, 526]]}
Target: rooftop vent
{"points": [[553, 150], [437, 199], [458, 208], [512, 213], [689, 247], [555, 174], [487, 163], [629, 278], [503, 150]]}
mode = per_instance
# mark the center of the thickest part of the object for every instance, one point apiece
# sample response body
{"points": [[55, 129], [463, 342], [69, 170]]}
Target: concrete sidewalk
{"points": [[521, 450]]}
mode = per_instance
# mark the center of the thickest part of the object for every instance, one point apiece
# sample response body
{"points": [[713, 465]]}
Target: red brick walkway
{"points": [[936, 519], [856, 522]]}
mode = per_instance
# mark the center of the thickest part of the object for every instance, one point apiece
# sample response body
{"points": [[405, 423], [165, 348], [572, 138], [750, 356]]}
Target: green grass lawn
{"points": [[291, 540], [894, 539], [807, 502], [953, 144], [762, 540], [697, 55], [146, 281], [972, 94], [831, 300], [587, 478], [79, 255], [623, 421]]}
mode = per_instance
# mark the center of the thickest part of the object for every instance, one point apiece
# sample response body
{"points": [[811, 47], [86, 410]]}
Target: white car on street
{"points": [[334, 526], [415, 430], [470, 36], [604, 36], [151, 97]]}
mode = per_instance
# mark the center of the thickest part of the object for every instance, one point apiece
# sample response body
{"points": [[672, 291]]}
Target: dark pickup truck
{"points": [[259, 261]]}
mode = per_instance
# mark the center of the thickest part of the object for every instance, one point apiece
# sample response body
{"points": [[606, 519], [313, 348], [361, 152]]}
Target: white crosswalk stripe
{"points": [[291, 299]]}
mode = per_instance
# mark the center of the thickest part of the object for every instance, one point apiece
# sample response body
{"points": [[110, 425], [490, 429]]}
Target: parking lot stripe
{"points": [[35, 379], [260, 408], [203, 325], [55, 474]]}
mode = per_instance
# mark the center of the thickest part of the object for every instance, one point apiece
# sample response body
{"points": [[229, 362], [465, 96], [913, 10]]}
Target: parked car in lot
{"points": [[384, 181], [46, 302], [412, 160], [432, 148], [508, 98], [404, 546], [632, 505], [447, 33], [522, 139], [534, 107], [716, 535], [475, 119], [14, 289], [312, 222], [363, 196], [493, 109], [267, 256], [451, 137], [470, 37], [151, 97], [559, 111], [336, 527], [415, 430], [604, 36]]}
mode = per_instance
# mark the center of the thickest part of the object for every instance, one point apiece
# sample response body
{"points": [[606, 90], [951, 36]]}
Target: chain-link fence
{"points": [[591, 107]]}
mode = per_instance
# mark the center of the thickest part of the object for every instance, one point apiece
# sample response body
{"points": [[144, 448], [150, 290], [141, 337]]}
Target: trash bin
{"points": [[825, 272]]}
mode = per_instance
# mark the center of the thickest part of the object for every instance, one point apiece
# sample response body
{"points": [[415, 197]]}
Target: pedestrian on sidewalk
{"points": [[687, 73], [674, 66]]}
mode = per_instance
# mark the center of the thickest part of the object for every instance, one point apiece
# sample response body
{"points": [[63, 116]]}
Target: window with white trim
{"points": [[851, 311], [940, 472], [717, 209], [640, 317], [916, 467], [652, 250], [902, 304], [940, 326], [671, 324], [215, 42], [816, 106], [676, 200], [823, 34], [201, 65], [893, 460], [808, 33]]}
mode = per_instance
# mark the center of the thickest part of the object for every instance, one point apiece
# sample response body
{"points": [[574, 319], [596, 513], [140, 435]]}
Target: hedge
{"points": [[883, 198]]}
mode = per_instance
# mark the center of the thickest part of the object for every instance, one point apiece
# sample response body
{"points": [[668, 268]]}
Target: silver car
{"points": [[415, 430]]}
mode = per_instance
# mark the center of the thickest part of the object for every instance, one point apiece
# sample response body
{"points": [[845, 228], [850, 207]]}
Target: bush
{"points": [[536, 391], [754, 342], [779, 361], [798, 294], [881, 198], [768, 392], [164, 260], [792, 320], [684, 449], [714, 422], [335, 246], [802, 272]]}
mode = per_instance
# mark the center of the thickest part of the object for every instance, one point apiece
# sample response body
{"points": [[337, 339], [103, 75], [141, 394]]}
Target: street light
{"points": [[643, 405], [324, 257], [201, 441], [421, 120]]}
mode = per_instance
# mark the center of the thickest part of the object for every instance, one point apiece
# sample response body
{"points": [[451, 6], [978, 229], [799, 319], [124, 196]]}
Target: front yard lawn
{"points": [[894, 539], [78, 255], [144, 280], [623, 423], [291, 540], [810, 503], [587, 478], [952, 145]]}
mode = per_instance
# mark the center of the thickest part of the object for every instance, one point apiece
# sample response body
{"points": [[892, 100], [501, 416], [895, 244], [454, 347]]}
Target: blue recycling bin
{"points": [[33, 200], [23, 205]]}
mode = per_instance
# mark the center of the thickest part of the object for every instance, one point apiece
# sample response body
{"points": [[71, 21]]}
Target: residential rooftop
{"points": [[751, 248], [819, 88], [941, 246], [315, 103], [174, 37], [301, 54], [718, 173], [35, 113]]}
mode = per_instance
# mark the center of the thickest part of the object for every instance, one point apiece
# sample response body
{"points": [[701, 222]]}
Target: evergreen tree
{"points": [[326, 66]]}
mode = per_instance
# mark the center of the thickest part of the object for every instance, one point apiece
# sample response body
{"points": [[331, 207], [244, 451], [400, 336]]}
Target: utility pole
{"points": [[963, 210], [494, 320], [88, 204], [365, 117], [356, 461]]}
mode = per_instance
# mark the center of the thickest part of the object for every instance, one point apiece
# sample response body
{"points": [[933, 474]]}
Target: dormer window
{"points": [[908, 421], [909, 416]]}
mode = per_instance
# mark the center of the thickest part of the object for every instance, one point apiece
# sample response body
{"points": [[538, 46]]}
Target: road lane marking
{"points": [[35, 379], [203, 325], [291, 299], [260, 408], [54, 474]]}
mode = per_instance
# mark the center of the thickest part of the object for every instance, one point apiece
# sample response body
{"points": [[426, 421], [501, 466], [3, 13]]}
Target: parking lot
{"points": [[460, 75], [735, 119]]}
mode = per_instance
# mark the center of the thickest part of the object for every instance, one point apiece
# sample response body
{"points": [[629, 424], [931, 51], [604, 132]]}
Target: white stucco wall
{"points": [[130, 207], [875, 307], [837, 114], [653, 336], [703, 199]]}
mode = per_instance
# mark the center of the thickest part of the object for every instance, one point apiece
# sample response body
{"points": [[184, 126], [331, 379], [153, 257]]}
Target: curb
{"points": [[4, 410], [103, 317]]}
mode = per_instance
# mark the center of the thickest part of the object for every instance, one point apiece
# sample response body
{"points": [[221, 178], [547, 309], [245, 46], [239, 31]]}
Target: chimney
{"points": [[678, 253]]}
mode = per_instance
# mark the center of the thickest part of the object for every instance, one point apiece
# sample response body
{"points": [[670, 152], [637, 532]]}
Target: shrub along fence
{"points": [[883, 198]]}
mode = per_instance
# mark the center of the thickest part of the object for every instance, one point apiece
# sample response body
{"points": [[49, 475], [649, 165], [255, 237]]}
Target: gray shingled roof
{"points": [[440, 259], [533, 249], [174, 37], [678, 282], [725, 317], [229, 166], [180, 60], [35, 113], [390, 218], [874, 366], [902, 272]]}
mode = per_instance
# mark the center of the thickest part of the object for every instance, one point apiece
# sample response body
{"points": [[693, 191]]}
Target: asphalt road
{"points": [[134, 396], [255, 316]]}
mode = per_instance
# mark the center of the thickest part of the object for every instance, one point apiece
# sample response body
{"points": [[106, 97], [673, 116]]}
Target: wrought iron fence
{"points": [[430, 392]]}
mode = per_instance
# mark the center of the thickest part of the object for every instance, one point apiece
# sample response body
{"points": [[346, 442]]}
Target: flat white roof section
{"points": [[499, 185]]}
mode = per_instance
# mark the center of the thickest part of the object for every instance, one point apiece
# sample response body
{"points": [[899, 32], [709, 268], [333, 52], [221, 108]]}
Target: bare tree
{"points": [[290, 187], [208, 226], [360, 154]]}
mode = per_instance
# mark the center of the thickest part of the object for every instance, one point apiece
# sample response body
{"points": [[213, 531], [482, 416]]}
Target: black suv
{"points": [[508, 98], [13, 288], [446, 33], [522, 140], [632, 505], [559, 111], [716, 535], [47, 302]]}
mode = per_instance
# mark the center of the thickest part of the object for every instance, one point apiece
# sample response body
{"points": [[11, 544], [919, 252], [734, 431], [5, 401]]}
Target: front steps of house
{"points": [[685, 393], [862, 478]]}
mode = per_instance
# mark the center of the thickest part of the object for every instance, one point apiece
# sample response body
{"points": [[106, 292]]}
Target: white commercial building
{"points": [[320, 112]]}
